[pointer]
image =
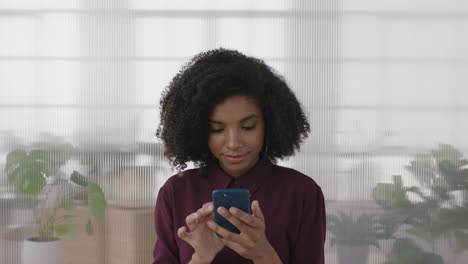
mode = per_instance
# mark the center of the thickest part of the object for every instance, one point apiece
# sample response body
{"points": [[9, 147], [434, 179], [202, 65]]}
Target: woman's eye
{"points": [[248, 127], [212, 130]]}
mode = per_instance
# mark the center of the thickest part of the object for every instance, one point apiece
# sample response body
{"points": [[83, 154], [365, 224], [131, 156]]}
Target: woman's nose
{"points": [[233, 140]]}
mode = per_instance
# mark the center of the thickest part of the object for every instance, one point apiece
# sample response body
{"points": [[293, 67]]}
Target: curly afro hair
{"points": [[207, 80]]}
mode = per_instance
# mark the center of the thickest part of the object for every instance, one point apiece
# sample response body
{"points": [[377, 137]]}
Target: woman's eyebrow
{"points": [[216, 122], [242, 120], [248, 117]]}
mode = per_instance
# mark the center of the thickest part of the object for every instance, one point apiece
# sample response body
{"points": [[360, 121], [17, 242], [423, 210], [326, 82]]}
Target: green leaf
{"points": [[89, 227], [15, 158], [27, 171], [389, 223], [346, 230], [455, 218], [393, 195], [61, 229], [33, 182], [431, 258], [420, 232], [39, 155], [97, 201], [13, 175], [79, 179], [423, 169], [70, 221], [46, 228], [446, 152], [405, 251]]}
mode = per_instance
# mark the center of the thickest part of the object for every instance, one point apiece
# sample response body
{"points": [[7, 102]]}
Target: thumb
{"points": [[257, 212], [184, 235]]}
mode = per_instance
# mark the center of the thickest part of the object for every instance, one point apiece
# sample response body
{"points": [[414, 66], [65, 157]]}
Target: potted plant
{"points": [[436, 208], [353, 236], [37, 173]]}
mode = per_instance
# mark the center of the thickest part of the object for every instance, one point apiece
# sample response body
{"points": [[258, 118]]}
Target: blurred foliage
{"points": [[32, 171], [437, 207], [405, 251], [27, 171], [346, 230]]}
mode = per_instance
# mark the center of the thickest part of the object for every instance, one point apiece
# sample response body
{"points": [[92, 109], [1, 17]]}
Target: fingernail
{"points": [[210, 207], [222, 210], [233, 210], [180, 230]]}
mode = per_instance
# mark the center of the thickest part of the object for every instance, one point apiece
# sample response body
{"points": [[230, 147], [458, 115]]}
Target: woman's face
{"points": [[236, 132]]}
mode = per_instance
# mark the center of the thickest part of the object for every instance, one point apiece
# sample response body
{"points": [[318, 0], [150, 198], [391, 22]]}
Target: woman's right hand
{"points": [[203, 239]]}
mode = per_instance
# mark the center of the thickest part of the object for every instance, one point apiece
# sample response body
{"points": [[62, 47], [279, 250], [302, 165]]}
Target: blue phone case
{"points": [[239, 198]]}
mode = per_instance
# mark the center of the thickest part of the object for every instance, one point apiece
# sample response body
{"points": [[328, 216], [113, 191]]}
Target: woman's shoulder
{"points": [[294, 177], [182, 178]]}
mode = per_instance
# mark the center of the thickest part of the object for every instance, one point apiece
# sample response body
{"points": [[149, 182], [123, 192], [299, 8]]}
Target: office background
{"points": [[384, 84]]}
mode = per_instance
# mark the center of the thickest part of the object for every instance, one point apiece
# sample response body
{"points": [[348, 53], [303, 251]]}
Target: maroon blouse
{"points": [[292, 203]]}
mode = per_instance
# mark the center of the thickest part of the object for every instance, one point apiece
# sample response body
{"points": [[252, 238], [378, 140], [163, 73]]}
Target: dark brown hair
{"points": [[207, 80]]}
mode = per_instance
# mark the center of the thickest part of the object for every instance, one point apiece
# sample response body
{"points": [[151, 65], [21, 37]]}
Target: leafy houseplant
{"points": [[405, 251], [353, 236], [440, 209], [35, 173]]}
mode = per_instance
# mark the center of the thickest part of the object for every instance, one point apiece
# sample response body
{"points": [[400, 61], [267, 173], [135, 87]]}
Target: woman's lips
{"points": [[234, 158]]}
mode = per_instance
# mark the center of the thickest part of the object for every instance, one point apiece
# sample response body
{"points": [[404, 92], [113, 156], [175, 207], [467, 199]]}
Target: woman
{"points": [[234, 117]]}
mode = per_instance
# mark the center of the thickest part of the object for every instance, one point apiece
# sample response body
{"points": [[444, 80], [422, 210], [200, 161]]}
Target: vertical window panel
{"points": [[152, 77], [18, 84], [170, 37], [423, 38], [59, 35], [18, 36], [263, 37]]}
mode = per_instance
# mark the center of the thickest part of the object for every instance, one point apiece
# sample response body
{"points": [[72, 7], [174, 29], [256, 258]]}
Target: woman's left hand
{"points": [[252, 242]]}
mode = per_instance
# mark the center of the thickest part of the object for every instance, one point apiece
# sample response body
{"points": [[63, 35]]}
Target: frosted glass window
{"points": [[381, 81]]}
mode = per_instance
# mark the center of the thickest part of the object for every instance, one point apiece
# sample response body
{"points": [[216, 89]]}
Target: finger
{"points": [[199, 217], [206, 211], [234, 246], [205, 205], [226, 234], [192, 220], [257, 211], [182, 234], [246, 218], [232, 218]]}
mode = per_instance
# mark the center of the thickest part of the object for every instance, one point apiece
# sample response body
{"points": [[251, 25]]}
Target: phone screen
{"points": [[227, 198]]}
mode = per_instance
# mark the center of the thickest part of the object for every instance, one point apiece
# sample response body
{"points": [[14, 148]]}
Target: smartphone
{"points": [[227, 198]]}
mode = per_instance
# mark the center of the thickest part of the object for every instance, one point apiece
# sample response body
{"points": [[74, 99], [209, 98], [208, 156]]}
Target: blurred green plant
{"points": [[405, 251], [32, 171], [438, 206], [362, 231]]}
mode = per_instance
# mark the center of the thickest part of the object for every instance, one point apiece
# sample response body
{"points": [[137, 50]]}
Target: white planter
{"points": [[46, 252]]}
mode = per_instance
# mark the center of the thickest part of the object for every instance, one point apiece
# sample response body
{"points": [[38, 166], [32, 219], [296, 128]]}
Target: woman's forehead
{"points": [[236, 108]]}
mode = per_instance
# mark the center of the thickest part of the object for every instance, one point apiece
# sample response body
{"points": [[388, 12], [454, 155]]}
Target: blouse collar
{"points": [[252, 180]]}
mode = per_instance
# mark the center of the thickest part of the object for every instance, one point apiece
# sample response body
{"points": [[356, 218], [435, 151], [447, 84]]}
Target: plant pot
{"points": [[352, 254], [43, 252]]}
